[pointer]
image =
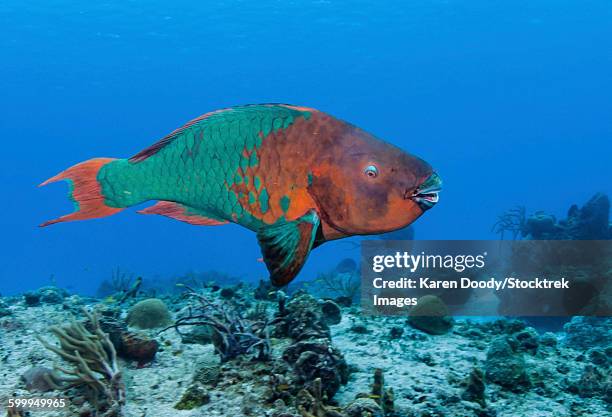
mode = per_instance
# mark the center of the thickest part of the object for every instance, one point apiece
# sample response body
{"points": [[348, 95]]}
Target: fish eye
{"points": [[371, 171]]}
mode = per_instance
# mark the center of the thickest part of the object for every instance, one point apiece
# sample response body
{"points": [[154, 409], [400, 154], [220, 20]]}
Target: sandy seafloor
{"points": [[422, 369]]}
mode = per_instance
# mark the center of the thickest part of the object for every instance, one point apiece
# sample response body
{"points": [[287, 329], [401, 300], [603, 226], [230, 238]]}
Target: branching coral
{"points": [[119, 283], [233, 335], [258, 313], [381, 394], [339, 283], [94, 364], [311, 403], [512, 221]]}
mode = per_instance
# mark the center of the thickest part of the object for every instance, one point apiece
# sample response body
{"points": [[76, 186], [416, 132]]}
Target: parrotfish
{"points": [[296, 176]]}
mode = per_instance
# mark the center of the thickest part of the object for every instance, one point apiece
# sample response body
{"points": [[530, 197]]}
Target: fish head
{"points": [[367, 186]]}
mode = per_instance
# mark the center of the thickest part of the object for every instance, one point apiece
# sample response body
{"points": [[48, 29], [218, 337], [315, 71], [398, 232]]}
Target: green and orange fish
{"points": [[296, 176]]}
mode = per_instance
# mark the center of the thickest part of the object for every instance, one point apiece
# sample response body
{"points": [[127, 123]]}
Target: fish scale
{"points": [[220, 149]]}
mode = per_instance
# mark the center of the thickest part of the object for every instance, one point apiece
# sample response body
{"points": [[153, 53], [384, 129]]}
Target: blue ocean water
{"points": [[509, 101]]}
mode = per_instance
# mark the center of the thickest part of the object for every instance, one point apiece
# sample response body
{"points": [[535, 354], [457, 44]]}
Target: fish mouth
{"points": [[427, 194]]}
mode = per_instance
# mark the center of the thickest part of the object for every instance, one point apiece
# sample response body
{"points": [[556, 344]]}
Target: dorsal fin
{"points": [[153, 149], [156, 147]]}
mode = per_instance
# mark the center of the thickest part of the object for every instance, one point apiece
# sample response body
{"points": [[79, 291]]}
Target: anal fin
{"points": [[182, 213], [286, 245]]}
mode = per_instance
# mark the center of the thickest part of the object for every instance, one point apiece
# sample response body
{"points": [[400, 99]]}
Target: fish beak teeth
{"points": [[427, 194]]}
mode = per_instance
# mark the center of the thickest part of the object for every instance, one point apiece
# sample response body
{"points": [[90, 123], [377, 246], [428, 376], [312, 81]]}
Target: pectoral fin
{"points": [[285, 246]]}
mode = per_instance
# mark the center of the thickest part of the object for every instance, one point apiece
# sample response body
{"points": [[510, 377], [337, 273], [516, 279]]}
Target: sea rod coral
{"points": [[232, 334], [93, 362]]}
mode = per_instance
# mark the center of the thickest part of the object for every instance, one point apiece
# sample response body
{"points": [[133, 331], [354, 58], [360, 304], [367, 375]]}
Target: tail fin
{"points": [[85, 191]]}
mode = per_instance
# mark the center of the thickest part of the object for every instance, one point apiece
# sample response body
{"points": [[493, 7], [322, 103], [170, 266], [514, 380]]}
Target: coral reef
{"points": [[358, 367], [589, 222]]}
